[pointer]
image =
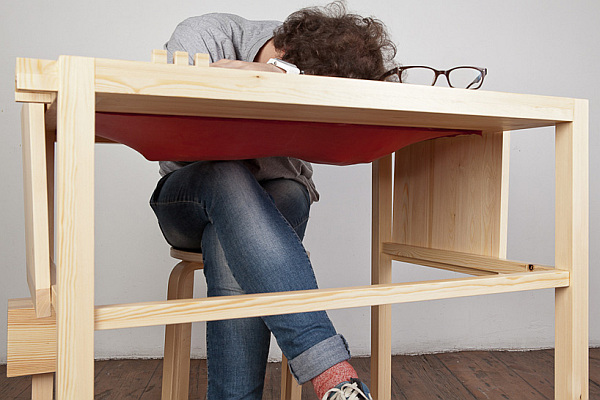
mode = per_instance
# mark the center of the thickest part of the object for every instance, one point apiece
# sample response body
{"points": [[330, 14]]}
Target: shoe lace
{"points": [[348, 391]]}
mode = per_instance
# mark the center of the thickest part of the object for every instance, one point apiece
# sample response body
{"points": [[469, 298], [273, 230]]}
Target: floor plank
{"points": [[534, 367], [125, 379], [14, 388], [447, 376], [426, 377], [485, 377], [595, 373]]}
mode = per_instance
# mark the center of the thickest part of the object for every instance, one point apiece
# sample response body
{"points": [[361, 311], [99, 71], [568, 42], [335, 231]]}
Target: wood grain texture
{"points": [[36, 206], [299, 97], [75, 231], [534, 367], [181, 58], [572, 254], [159, 56], [201, 60], [42, 387], [486, 377], [381, 273], [36, 75], [35, 97], [31, 341], [451, 194], [466, 261], [414, 377], [209, 309], [178, 338]]}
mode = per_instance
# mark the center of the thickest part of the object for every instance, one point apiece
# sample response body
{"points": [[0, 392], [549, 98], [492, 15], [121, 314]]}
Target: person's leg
{"points": [[238, 348], [261, 248]]}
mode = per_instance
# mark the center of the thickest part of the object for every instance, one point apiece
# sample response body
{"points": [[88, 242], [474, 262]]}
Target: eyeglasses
{"points": [[458, 77]]}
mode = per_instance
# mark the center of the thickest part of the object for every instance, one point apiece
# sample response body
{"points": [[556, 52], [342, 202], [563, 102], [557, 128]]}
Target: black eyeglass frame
{"points": [[478, 82]]}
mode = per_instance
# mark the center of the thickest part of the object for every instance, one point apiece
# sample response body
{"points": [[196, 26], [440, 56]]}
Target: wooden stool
{"points": [[176, 364]]}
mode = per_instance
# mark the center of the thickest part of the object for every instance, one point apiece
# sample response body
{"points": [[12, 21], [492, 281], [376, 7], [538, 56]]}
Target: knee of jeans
{"points": [[219, 279], [222, 286], [221, 172]]}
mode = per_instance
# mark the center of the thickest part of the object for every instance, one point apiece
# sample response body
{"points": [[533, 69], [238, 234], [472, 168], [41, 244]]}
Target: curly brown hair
{"points": [[330, 41]]}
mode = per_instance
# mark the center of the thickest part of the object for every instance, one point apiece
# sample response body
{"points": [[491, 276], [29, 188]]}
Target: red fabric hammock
{"points": [[208, 138]]}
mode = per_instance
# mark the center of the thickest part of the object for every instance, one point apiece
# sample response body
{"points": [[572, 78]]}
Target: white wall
{"points": [[529, 46]]}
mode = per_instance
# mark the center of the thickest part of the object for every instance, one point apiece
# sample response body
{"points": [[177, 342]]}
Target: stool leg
{"points": [[176, 364], [290, 390], [42, 386]]}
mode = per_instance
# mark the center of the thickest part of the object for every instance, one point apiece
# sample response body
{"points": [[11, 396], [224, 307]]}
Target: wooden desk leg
{"points": [[381, 269], [36, 207], [75, 224], [42, 386], [572, 241]]}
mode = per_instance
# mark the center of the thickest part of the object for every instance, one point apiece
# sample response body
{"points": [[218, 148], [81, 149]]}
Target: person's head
{"points": [[330, 41]]}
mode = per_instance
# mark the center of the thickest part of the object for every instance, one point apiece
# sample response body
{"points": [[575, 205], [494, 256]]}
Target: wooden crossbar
{"points": [[459, 262], [119, 316]]}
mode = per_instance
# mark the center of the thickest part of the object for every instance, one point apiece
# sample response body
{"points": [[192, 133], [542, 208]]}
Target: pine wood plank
{"points": [[381, 273], [304, 97], [201, 60], [31, 341], [159, 56], [572, 254], [75, 245], [451, 194], [207, 309], [42, 386], [133, 77], [35, 190], [36, 75], [467, 261]]}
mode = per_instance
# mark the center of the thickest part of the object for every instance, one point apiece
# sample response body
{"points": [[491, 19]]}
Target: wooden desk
{"points": [[74, 88]]}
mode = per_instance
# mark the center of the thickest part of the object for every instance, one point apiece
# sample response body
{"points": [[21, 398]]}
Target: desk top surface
{"points": [[151, 88]]}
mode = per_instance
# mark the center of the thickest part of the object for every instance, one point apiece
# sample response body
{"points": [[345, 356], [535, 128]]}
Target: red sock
{"points": [[332, 377]]}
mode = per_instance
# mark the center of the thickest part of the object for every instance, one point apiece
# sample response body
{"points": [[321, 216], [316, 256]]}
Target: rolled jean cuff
{"points": [[319, 358]]}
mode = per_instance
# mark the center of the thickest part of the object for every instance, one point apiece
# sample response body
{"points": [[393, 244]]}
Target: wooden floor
{"points": [[459, 376]]}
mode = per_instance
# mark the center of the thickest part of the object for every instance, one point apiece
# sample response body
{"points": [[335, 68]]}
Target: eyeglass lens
{"points": [[465, 78], [418, 76]]}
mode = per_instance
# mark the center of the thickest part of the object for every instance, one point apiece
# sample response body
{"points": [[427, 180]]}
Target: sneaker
{"points": [[353, 390]]}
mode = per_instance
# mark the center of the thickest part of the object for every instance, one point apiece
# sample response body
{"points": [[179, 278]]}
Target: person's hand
{"points": [[251, 66]]}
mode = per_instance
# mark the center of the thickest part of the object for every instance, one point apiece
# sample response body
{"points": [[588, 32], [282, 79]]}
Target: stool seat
{"points": [[186, 255]]}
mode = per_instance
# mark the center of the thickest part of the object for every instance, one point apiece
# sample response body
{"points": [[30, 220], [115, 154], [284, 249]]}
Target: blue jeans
{"points": [[250, 234]]}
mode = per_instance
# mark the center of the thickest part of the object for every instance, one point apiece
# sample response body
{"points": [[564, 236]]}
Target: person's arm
{"points": [[203, 35], [253, 66]]}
